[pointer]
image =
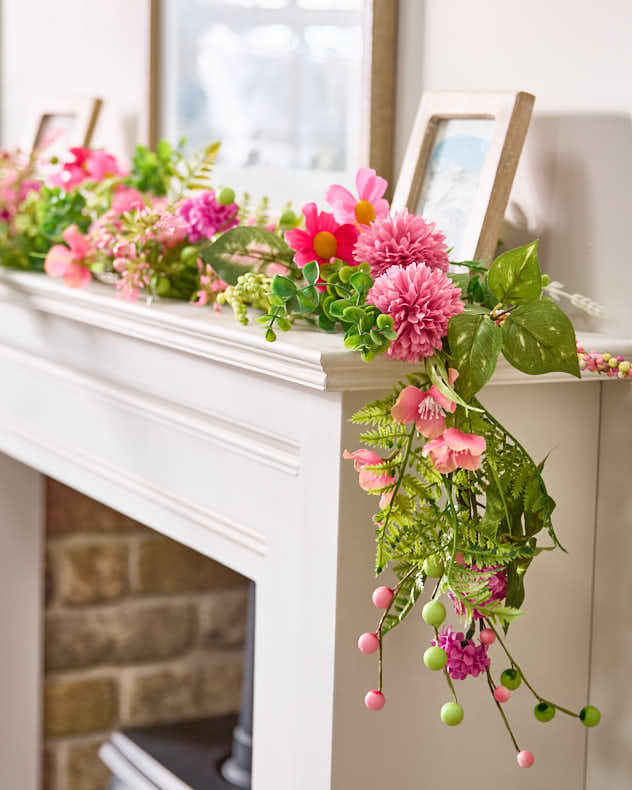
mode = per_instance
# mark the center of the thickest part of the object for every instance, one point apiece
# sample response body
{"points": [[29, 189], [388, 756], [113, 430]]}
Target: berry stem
{"points": [[445, 671], [381, 623], [501, 711], [522, 675]]}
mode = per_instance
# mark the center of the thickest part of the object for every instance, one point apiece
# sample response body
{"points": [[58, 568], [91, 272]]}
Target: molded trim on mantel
{"points": [[259, 445], [24, 441], [305, 357]]}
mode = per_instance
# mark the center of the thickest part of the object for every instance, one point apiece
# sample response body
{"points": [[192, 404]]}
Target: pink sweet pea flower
{"points": [[67, 263], [369, 479], [425, 407], [455, 450], [369, 204], [323, 238]]}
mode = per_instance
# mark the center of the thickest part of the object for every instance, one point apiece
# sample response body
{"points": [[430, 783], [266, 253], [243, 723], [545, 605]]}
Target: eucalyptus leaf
{"points": [[515, 276], [475, 343], [539, 338], [282, 287]]}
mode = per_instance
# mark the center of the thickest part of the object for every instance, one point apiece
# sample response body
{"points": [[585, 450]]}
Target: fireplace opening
{"points": [[145, 646]]}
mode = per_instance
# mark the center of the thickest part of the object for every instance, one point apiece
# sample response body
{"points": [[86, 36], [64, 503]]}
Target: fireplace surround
{"points": [[163, 411]]}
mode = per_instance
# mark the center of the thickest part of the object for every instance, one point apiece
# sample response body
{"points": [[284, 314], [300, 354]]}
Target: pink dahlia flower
{"points": [[369, 204], [68, 262], [399, 240], [455, 450], [421, 301], [369, 479], [495, 579], [205, 216], [425, 407], [465, 657], [322, 239]]}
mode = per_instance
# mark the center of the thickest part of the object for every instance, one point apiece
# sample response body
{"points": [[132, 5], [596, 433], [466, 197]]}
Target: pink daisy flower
{"points": [[399, 240], [369, 204], [421, 301], [322, 239]]}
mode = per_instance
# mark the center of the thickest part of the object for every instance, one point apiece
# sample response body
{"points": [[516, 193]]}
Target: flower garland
{"points": [[463, 508]]}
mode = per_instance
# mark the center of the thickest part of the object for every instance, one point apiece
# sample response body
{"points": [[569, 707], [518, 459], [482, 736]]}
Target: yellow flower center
{"points": [[364, 211], [325, 245]]}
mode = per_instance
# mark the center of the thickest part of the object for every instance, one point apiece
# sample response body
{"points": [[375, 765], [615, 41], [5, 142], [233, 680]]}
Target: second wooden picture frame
{"points": [[460, 164]]}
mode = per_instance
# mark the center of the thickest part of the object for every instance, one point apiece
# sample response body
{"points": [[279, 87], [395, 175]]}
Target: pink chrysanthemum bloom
{"points": [[399, 240], [495, 579], [421, 301], [369, 204], [205, 216], [322, 239], [465, 657]]}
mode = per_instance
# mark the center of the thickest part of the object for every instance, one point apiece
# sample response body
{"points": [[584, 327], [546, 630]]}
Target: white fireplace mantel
{"points": [[199, 428]]}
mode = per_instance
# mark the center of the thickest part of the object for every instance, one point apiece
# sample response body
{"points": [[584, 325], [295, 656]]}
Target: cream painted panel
{"points": [[609, 752], [21, 596]]}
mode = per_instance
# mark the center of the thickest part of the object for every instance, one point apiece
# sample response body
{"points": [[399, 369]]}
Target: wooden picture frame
{"points": [[77, 116], [378, 83], [487, 190]]}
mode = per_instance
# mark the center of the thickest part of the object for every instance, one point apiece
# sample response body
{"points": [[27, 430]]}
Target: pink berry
{"points": [[525, 759], [382, 597], [488, 637], [501, 694], [374, 700], [368, 643]]}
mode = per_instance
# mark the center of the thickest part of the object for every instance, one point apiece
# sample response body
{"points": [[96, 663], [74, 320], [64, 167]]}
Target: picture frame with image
{"points": [[460, 164]]}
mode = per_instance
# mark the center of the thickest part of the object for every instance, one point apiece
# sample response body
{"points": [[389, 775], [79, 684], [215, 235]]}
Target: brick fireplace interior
{"points": [[139, 630]]}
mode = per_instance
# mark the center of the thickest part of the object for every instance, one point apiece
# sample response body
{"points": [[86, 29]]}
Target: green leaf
{"points": [[361, 282], [337, 308], [515, 585], [515, 276], [244, 249], [475, 343], [539, 338], [311, 272], [326, 324], [282, 287]]}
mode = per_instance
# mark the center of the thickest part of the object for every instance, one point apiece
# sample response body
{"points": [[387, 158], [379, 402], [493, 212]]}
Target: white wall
{"points": [[574, 185], [75, 47], [573, 188]]}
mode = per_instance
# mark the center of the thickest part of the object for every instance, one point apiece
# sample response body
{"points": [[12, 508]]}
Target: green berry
{"points": [[433, 566], [451, 714], [189, 253], [226, 196], [590, 716], [433, 613], [288, 218], [511, 679], [543, 711], [545, 280], [435, 658]]}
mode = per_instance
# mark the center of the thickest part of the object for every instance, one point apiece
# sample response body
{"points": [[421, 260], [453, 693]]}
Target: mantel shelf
{"points": [[304, 356]]}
